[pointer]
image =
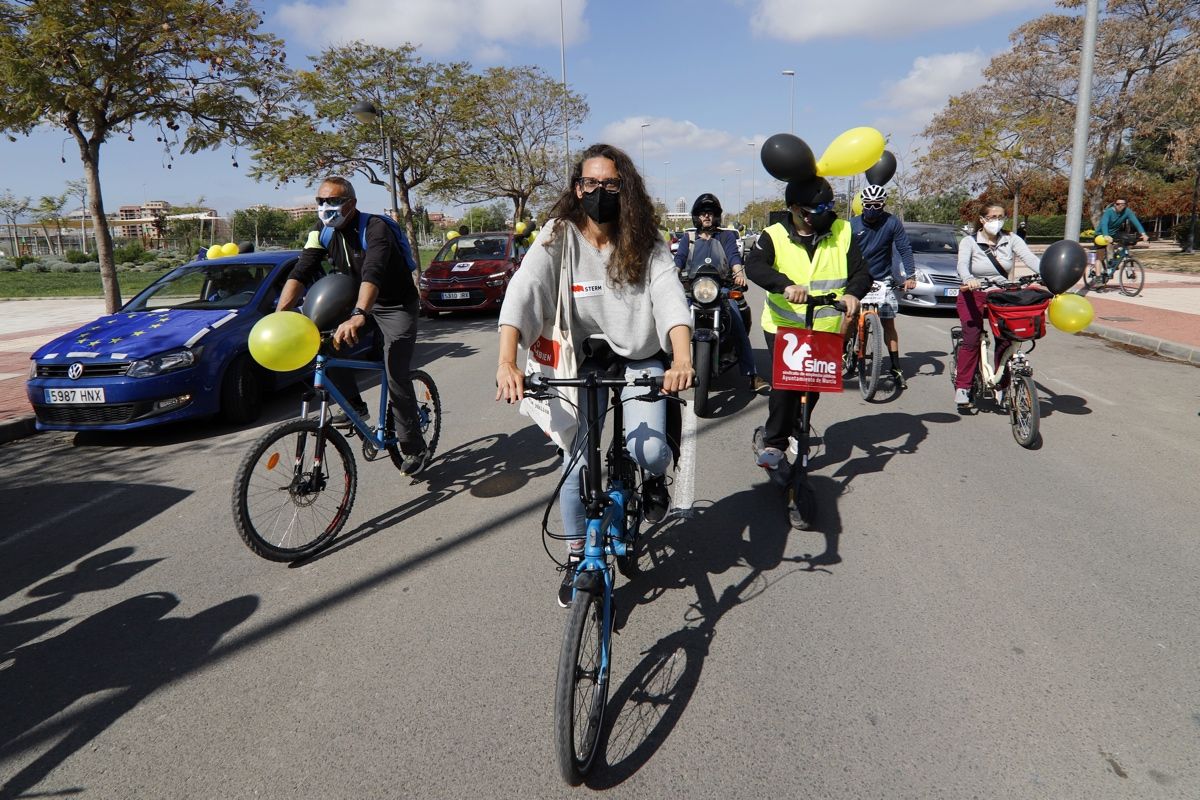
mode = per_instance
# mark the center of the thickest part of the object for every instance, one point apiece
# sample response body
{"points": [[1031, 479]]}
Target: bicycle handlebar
{"points": [[998, 282], [538, 387], [825, 300]]}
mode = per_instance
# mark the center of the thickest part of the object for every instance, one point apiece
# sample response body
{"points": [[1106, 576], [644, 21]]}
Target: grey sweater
{"points": [[634, 320]]}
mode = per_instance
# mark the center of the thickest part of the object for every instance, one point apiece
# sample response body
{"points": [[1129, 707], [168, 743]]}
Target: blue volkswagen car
{"points": [[178, 350]]}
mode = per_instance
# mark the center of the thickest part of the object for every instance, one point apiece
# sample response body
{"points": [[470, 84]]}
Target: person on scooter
{"points": [[721, 245], [876, 232], [810, 250]]}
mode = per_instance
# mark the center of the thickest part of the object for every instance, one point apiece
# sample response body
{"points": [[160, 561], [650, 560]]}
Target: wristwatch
{"points": [[358, 312]]}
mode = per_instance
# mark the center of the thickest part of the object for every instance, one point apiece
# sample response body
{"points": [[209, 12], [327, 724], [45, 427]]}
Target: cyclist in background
{"points": [[876, 232], [721, 244], [1116, 219]]}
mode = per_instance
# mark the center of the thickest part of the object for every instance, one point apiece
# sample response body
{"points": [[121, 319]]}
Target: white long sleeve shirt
{"points": [[973, 261]]}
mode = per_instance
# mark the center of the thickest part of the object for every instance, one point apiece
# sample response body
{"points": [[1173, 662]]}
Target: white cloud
{"points": [[664, 136], [438, 26], [806, 20]]}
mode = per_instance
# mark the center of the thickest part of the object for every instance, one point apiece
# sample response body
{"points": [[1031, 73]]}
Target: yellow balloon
{"points": [[451, 235], [229, 249], [856, 205], [1070, 312], [854, 151], [1101, 240], [284, 341], [519, 228], [214, 251]]}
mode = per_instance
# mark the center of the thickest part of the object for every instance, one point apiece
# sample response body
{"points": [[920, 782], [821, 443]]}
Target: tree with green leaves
{"points": [[425, 108], [194, 69], [79, 189], [49, 210], [12, 208], [516, 139], [490, 217], [259, 223]]}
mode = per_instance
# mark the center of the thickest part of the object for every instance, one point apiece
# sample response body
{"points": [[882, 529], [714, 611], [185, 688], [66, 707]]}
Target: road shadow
{"points": [[688, 553], [866, 444], [489, 466], [50, 526], [1051, 402], [66, 690]]}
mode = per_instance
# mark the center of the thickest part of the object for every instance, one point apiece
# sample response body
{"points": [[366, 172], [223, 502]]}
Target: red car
{"points": [[470, 273]]}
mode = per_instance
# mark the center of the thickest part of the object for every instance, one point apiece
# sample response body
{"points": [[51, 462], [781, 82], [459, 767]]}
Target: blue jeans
{"points": [[741, 340], [645, 438]]}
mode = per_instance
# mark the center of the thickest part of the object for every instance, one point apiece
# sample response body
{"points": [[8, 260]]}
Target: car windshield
{"points": [[933, 241], [474, 248], [215, 285]]}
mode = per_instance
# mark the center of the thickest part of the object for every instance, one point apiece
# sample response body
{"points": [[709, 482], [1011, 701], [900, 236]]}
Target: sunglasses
{"points": [[872, 205], [331, 201], [821, 209]]}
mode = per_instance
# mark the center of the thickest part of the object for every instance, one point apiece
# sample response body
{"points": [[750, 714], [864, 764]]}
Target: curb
{"points": [[18, 428], [1161, 347]]}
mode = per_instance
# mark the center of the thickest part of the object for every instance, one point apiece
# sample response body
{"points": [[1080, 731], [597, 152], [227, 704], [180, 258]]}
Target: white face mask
{"points": [[330, 215], [993, 226]]}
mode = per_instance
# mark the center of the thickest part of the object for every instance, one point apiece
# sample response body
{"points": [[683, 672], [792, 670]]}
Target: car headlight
{"points": [[423, 282], [923, 276], [32, 369], [495, 279], [163, 362], [705, 290]]}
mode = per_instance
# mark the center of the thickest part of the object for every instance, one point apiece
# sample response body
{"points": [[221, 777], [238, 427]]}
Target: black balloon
{"points": [[329, 301], [883, 170], [1062, 265], [788, 158]]}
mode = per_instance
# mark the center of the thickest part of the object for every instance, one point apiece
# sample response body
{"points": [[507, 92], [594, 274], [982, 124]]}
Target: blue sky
{"points": [[706, 75]]}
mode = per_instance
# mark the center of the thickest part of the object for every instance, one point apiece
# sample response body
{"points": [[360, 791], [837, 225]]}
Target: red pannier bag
{"points": [[1018, 315]]}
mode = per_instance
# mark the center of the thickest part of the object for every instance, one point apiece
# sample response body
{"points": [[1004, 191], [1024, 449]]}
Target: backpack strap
{"points": [[987, 251]]}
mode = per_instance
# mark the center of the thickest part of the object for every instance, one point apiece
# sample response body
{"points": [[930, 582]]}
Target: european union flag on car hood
{"points": [[131, 335]]}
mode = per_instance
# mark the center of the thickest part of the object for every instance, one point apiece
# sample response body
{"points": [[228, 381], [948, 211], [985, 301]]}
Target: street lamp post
{"points": [[791, 73], [364, 111], [644, 126], [666, 194], [752, 145], [741, 210]]}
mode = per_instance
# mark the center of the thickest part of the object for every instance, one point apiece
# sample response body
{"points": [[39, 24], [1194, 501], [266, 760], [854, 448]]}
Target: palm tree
{"points": [[49, 209]]}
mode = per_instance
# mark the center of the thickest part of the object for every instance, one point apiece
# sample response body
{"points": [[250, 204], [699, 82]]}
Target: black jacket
{"points": [[382, 263]]}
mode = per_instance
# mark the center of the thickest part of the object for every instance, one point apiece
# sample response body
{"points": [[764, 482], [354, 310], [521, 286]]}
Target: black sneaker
{"points": [[339, 419], [414, 463], [655, 500], [758, 384], [802, 509], [567, 588], [898, 377]]}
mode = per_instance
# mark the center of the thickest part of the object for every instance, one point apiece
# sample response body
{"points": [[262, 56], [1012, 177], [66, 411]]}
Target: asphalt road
{"points": [[972, 619]]}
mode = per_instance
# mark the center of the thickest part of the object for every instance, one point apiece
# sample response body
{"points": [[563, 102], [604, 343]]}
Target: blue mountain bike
{"points": [[612, 502], [293, 491]]}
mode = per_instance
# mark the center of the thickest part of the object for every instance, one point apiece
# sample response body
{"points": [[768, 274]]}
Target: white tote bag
{"points": [[553, 356]]}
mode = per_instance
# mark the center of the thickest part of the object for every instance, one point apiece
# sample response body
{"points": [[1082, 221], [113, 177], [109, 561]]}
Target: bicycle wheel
{"points": [[1133, 277], [850, 351], [1024, 410], [1091, 276], [871, 363], [429, 415], [582, 688], [292, 492], [955, 344]]}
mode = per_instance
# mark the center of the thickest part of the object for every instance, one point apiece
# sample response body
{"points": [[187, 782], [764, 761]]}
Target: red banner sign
{"points": [[807, 361]]}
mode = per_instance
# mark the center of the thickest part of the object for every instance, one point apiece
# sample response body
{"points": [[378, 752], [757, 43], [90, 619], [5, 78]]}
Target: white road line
{"points": [[935, 328], [685, 475], [57, 518], [1084, 392]]}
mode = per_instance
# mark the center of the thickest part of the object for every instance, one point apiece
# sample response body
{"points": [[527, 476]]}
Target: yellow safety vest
{"points": [[824, 273]]}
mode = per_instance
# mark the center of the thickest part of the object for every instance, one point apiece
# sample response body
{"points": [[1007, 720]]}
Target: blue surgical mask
{"points": [[330, 215], [872, 215]]}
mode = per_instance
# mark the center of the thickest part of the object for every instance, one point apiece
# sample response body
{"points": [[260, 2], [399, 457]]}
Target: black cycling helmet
{"points": [[809, 194], [707, 202]]}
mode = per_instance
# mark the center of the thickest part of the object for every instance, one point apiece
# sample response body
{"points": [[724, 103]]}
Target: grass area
{"points": [[87, 284], [1168, 260], [70, 284]]}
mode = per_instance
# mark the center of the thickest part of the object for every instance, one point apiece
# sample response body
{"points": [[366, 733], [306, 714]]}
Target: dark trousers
{"points": [[783, 408], [395, 336], [972, 316]]}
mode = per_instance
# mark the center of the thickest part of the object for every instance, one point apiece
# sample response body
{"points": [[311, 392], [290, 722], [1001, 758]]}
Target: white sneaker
{"points": [[770, 457], [962, 397], [793, 446]]}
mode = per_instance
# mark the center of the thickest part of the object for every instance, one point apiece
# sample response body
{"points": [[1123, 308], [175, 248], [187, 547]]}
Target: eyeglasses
{"points": [[821, 209], [1000, 218], [872, 205], [331, 201], [611, 185]]}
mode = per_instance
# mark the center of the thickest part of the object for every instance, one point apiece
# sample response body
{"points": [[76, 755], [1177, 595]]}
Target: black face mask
{"points": [[821, 223], [872, 215], [602, 206]]}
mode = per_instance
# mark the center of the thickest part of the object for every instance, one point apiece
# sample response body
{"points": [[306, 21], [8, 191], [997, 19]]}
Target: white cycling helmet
{"points": [[874, 194]]}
